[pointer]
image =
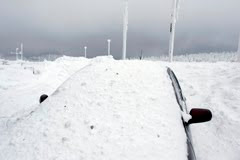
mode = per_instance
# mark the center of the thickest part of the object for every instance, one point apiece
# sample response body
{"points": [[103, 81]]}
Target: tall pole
{"points": [[239, 45], [109, 47], [172, 29], [125, 29], [85, 51], [239, 49], [16, 54], [21, 51]]}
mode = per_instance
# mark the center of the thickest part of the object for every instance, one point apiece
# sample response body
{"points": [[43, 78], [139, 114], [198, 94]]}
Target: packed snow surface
{"points": [[108, 109]]}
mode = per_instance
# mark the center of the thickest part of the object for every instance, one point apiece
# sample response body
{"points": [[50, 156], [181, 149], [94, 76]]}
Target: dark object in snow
{"points": [[35, 72], [91, 127], [43, 98]]}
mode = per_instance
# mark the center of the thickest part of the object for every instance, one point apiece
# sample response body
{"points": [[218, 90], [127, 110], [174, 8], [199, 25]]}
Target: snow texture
{"points": [[200, 57], [107, 109], [22, 83], [186, 117]]}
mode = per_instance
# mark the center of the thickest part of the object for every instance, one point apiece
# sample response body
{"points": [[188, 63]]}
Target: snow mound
{"points": [[113, 110], [67, 58], [101, 59], [18, 80]]}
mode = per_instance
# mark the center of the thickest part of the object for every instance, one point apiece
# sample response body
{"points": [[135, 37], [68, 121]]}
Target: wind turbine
{"points": [[174, 17], [125, 29], [17, 52]]}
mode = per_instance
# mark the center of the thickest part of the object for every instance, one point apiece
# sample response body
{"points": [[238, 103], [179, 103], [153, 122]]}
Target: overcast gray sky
{"points": [[68, 25]]}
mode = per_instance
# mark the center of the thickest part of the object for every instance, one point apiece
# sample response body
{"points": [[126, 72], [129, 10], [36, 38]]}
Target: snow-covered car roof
{"points": [[114, 110]]}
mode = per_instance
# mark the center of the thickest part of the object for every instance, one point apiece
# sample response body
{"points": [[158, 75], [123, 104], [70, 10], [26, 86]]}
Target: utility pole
{"points": [[239, 44], [21, 52], [16, 54], [85, 51], [109, 47], [125, 29], [172, 28], [239, 49], [141, 55]]}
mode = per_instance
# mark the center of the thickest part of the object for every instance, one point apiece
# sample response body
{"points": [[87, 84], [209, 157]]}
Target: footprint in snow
{"points": [[64, 139], [83, 84], [67, 125]]}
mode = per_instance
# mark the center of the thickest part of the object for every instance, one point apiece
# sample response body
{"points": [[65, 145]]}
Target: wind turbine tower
{"points": [[174, 17]]}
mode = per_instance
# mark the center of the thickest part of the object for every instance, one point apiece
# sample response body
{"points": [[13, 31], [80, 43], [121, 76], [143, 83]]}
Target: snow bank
{"points": [[20, 89], [107, 110]]}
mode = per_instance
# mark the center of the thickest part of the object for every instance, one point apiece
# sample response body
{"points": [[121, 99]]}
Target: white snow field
{"points": [[201, 57], [109, 109]]}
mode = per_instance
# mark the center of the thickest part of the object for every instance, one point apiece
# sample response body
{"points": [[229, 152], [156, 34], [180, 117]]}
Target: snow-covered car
{"points": [[111, 110]]}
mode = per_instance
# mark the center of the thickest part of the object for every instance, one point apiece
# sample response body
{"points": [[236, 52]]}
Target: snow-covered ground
{"points": [[201, 57], [114, 109], [20, 89]]}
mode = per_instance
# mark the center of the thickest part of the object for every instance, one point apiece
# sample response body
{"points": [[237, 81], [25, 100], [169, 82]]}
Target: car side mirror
{"points": [[200, 115], [43, 98]]}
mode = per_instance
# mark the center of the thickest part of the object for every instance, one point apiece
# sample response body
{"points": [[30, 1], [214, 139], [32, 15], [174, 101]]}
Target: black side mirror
{"points": [[200, 115], [43, 98]]}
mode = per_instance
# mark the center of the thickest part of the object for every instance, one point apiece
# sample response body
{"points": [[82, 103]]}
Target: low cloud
{"points": [[67, 26]]}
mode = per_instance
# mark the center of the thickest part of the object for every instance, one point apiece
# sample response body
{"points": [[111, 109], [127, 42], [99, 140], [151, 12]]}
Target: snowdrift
{"points": [[21, 87], [107, 110]]}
